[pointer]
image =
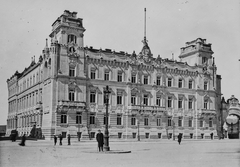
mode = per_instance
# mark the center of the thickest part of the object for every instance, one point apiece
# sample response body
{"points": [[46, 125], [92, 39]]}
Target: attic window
{"points": [[72, 38]]}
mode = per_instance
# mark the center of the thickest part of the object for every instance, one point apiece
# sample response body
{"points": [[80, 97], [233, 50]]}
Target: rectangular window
{"points": [[119, 99], [119, 77], [133, 78], [158, 121], [92, 119], [93, 74], [205, 87], [204, 60], [158, 101], [190, 122], [169, 102], [133, 99], [169, 121], [180, 83], [63, 118], [180, 121], [190, 84], [210, 122], [119, 119], [205, 104], [145, 100], [158, 80], [146, 121], [79, 119], [71, 71], [72, 38], [106, 76], [92, 97], [190, 103], [169, 82], [71, 95], [133, 120], [180, 102], [145, 80], [201, 123]]}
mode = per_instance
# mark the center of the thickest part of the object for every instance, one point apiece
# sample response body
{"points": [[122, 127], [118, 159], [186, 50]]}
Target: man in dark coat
{"points": [[99, 138], [211, 136], [179, 138], [69, 138], [23, 140], [60, 139], [55, 140]]}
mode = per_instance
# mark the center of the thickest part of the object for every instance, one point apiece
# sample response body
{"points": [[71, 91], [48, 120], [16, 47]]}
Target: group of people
{"points": [[60, 139], [99, 138]]}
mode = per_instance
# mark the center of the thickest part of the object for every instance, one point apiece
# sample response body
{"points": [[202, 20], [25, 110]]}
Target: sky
{"points": [[119, 25]]}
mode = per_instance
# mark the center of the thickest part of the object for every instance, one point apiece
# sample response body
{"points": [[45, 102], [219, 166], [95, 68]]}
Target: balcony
{"points": [[208, 112], [73, 104], [150, 108]]}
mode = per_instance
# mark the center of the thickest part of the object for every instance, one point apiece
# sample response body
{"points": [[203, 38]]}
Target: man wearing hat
{"points": [[99, 138]]}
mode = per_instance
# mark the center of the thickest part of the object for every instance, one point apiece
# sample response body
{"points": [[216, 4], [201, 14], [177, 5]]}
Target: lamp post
{"points": [[106, 135], [173, 130], [138, 129]]}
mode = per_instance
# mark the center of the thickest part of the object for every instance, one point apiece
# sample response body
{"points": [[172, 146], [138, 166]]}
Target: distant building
{"points": [[63, 91], [3, 130]]}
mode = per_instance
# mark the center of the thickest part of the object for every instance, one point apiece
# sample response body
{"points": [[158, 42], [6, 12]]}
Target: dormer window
{"points": [[72, 38]]}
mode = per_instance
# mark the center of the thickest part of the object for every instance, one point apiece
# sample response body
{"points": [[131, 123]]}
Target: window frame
{"points": [[120, 76], [71, 95], [169, 82], [146, 121], [145, 79], [145, 99], [78, 118], [119, 119], [133, 78], [92, 99], [92, 118], [180, 83], [106, 75], [133, 120], [63, 118], [158, 80]]}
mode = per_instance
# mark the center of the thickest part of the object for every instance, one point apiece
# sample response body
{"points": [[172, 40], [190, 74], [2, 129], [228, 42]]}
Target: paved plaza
{"points": [[164, 153]]}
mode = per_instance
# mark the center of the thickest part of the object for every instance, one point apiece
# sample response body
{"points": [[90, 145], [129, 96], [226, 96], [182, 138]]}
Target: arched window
{"points": [[72, 38]]}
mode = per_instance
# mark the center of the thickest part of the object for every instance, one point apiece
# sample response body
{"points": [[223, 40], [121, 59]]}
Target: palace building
{"points": [[151, 97]]}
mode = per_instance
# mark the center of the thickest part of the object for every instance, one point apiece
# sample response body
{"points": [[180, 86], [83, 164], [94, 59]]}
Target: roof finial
{"points": [[34, 58], [145, 36], [46, 42], [172, 56]]}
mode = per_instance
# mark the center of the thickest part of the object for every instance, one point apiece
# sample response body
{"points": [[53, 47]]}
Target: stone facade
{"points": [[160, 98]]}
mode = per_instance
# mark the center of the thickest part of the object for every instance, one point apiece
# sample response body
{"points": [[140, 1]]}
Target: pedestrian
{"points": [[55, 140], [211, 136], [69, 138], [179, 138], [60, 139], [23, 141], [99, 138]]}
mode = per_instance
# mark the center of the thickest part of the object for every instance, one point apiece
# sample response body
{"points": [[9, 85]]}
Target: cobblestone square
{"points": [[191, 153]]}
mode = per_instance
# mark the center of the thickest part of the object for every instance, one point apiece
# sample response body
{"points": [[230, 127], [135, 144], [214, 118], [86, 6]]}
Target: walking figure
{"points": [[179, 138], [60, 139], [55, 140], [23, 141], [69, 138], [211, 136], [99, 138]]}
